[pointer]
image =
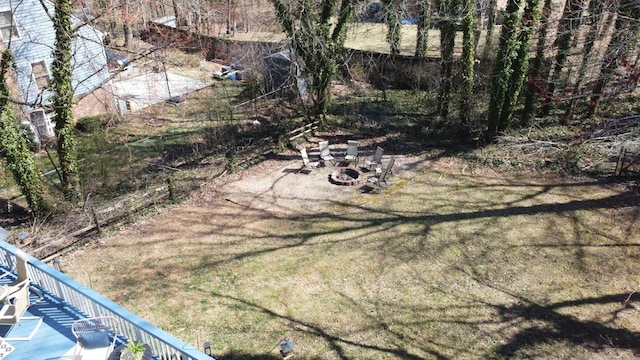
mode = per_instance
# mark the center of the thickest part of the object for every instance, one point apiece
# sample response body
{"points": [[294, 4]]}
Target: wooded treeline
{"points": [[551, 56], [570, 59]]}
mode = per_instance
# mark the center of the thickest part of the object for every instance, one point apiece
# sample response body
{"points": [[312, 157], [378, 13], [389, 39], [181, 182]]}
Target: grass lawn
{"points": [[372, 37], [453, 261]]}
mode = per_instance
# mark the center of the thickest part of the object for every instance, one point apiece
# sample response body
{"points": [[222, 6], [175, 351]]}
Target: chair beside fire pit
{"points": [[379, 179], [307, 165], [376, 160], [325, 153], [352, 152]]}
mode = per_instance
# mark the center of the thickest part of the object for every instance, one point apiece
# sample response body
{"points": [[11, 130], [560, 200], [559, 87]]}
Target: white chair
{"points": [[377, 158], [379, 179], [325, 153], [15, 299], [352, 152], [95, 338], [21, 271], [389, 168], [14, 305], [306, 163]]}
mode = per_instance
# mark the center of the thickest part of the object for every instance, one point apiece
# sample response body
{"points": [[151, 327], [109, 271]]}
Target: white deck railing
{"points": [[91, 304]]}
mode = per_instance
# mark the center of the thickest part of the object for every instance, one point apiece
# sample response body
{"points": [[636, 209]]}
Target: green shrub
{"points": [[91, 124]]}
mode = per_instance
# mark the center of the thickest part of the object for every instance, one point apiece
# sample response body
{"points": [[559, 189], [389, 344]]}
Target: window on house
{"points": [[40, 74], [8, 27], [42, 123]]}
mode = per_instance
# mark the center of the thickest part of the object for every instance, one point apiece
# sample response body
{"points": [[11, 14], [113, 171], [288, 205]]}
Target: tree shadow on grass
{"points": [[244, 356], [555, 327], [336, 343]]}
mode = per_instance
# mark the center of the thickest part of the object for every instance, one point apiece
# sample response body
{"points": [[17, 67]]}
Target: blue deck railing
{"points": [[88, 302]]}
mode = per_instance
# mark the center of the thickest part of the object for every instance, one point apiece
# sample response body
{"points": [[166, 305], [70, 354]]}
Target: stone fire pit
{"points": [[346, 176]]}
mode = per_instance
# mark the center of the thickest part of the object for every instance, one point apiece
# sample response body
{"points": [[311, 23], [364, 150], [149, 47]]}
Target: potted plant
{"points": [[134, 350]]}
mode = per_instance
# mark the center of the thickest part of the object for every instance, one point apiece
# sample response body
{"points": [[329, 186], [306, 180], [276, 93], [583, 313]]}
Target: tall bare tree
{"points": [[567, 29], [317, 33], [127, 26], [592, 22], [624, 39], [490, 24]]}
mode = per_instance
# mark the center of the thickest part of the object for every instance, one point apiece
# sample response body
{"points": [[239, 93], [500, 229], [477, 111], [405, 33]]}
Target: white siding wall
{"points": [[36, 42]]}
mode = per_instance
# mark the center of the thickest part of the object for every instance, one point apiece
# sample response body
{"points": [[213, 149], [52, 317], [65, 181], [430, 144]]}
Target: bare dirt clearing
{"points": [[452, 261]]}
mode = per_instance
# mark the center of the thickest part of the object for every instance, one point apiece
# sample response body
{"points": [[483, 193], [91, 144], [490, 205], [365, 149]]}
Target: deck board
{"points": [[53, 339]]}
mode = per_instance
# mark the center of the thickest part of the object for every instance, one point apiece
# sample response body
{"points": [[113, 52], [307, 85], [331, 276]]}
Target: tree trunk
{"points": [[176, 13], [534, 84], [424, 23], [63, 99], [467, 62], [490, 24], [126, 26], [14, 147], [501, 76], [593, 20], [447, 43], [228, 17], [394, 35], [569, 23], [624, 39], [529, 24]]}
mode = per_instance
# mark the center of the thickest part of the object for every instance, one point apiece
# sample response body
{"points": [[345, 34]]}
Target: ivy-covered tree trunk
{"points": [[592, 21], [503, 69], [623, 40], [63, 99], [394, 35], [447, 43], [534, 84], [529, 24], [15, 149], [467, 62], [569, 23], [424, 23], [317, 36]]}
